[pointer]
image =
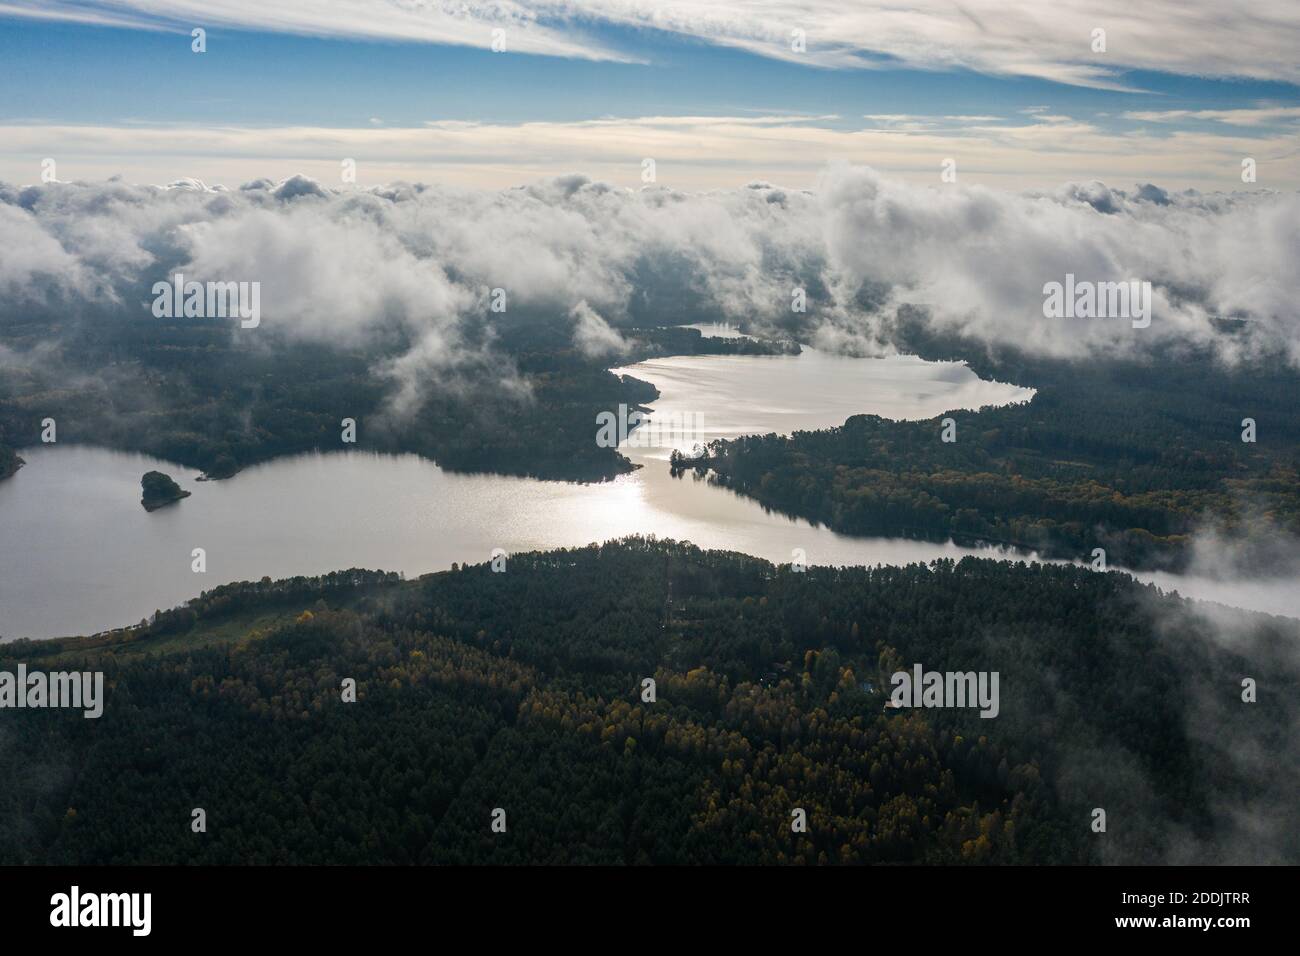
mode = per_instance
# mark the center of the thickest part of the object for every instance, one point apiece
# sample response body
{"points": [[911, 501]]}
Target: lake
{"points": [[79, 554]]}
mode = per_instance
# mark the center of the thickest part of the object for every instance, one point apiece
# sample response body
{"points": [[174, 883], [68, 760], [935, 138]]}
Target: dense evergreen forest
{"points": [[522, 690], [1131, 456], [191, 391]]}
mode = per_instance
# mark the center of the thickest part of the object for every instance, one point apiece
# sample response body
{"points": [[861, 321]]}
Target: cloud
{"points": [[1242, 116], [35, 265], [468, 23], [997, 37], [592, 334], [979, 259], [1032, 150], [412, 265]]}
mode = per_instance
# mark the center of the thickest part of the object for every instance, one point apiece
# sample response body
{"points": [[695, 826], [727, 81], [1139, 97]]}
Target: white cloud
{"points": [[979, 258], [415, 263], [417, 21], [1001, 37], [1243, 116], [593, 335], [35, 265]]}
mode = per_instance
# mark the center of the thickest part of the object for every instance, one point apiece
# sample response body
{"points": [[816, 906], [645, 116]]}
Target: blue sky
{"points": [[115, 79]]}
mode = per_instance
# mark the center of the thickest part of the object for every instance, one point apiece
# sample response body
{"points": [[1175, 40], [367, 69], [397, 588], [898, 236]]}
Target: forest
{"points": [[1128, 455], [523, 691]]}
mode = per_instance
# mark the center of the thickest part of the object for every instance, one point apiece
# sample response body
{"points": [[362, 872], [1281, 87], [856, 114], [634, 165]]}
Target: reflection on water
{"points": [[79, 554]]}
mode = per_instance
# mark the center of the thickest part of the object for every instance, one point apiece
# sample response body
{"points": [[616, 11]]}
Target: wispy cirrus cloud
{"points": [[1242, 116], [1026, 38], [415, 21]]}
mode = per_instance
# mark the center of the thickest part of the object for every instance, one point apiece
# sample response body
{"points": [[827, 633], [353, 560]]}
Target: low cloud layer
{"points": [[343, 265]]}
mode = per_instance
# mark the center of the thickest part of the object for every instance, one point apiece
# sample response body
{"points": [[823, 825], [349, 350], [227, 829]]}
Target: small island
{"points": [[159, 490]]}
